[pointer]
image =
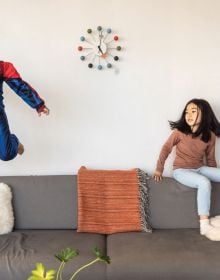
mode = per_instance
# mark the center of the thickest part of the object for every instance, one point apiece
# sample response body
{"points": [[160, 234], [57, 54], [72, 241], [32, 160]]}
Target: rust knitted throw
{"points": [[111, 201]]}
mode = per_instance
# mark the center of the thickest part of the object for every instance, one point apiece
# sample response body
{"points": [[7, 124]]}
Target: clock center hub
{"points": [[101, 49]]}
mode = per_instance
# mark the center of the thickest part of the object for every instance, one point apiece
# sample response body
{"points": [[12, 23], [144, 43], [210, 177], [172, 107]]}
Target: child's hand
{"points": [[157, 176], [45, 111]]}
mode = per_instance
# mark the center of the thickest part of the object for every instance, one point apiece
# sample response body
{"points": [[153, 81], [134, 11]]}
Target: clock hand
{"points": [[100, 49], [100, 39]]}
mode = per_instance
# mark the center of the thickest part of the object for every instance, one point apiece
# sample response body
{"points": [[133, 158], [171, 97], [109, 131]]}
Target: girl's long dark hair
{"points": [[208, 122]]}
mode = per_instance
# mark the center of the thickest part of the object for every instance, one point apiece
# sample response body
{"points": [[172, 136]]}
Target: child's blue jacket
{"points": [[9, 74]]}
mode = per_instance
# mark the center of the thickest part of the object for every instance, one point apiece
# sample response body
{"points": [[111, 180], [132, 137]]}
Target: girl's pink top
{"points": [[190, 152]]}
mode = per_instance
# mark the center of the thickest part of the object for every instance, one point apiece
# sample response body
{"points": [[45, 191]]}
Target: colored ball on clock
{"points": [[118, 48], [80, 48], [116, 58], [109, 30], [109, 65], [116, 38], [99, 28], [82, 57], [82, 38], [89, 30], [100, 67], [90, 65]]}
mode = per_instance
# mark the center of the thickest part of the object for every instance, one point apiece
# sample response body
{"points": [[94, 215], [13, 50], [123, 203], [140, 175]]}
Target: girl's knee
{"points": [[205, 184]]}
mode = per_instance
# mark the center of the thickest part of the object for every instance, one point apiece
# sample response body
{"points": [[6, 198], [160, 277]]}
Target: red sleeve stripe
{"points": [[10, 71]]}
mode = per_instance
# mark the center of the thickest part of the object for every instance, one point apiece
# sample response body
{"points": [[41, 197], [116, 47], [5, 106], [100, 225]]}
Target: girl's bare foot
{"points": [[20, 149]]}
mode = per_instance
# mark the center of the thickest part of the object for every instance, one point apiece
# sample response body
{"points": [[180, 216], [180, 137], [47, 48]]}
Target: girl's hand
{"points": [[157, 176]]}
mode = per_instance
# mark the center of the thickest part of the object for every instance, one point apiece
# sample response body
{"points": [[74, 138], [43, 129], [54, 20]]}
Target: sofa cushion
{"points": [[44, 202], [21, 250], [174, 254], [173, 205]]}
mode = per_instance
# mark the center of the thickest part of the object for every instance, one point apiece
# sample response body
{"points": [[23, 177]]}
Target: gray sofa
{"points": [[45, 210]]}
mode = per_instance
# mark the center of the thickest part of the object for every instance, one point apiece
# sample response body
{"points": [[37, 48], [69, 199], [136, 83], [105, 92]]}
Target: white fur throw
{"points": [[6, 211]]}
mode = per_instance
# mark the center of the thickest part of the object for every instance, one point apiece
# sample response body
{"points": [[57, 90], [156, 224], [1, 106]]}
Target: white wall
{"points": [[118, 118]]}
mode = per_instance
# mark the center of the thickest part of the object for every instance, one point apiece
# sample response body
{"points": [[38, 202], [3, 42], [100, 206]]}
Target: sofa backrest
{"points": [[44, 202], [174, 205], [50, 202]]}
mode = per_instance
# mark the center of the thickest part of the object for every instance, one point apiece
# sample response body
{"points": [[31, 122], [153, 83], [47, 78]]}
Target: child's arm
{"points": [[165, 151], [23, 89], [210, 152], [157, 175]]}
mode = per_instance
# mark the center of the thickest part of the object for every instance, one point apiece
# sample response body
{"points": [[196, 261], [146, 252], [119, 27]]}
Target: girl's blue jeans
{"points": [[200, 179], [8, 142]]}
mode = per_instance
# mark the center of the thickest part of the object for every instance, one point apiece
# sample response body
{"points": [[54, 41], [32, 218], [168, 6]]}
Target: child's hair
{"points": [[208, 122]]}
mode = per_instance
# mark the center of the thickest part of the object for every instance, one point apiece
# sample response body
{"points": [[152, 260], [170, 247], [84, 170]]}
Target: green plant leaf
{"points": [[41, 274], [102, 257], [97, 252], [66, 255], [106, 259], [50, 274]]}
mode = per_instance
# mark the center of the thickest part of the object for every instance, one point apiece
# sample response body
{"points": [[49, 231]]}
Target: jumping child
{"points": [[9, 143], [194, 136]]}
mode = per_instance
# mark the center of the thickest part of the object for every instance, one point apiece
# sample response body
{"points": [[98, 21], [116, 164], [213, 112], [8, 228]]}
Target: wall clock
{"points": [[99, 48]]}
